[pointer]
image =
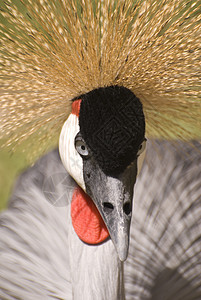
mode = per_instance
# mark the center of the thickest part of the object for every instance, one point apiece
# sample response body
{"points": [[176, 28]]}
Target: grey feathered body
{"points": [[39, 261]]}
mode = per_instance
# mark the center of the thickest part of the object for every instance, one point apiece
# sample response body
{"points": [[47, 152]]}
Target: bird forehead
{"points": [[112, 124]]}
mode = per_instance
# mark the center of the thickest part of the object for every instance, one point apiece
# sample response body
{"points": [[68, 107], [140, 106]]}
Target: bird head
{"points": [[100, 146]]}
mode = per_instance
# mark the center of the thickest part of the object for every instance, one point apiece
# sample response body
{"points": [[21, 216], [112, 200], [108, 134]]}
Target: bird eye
{"points": [[142, 147], [81, 147]]}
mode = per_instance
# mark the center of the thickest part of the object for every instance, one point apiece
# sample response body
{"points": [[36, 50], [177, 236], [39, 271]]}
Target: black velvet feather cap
{"points": [[112, 124]]}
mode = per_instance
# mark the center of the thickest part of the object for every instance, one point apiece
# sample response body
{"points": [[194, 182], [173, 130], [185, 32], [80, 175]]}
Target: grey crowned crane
{"points": [[124, 64]]}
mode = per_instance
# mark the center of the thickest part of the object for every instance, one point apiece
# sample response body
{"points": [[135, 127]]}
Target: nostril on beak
{"points": [[127, 208], [108, 207]]}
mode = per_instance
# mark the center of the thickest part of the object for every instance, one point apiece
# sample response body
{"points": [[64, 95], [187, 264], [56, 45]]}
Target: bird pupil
{"points": [[83, 147]]}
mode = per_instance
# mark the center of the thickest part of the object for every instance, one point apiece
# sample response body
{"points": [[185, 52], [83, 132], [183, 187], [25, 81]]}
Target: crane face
{"points": [[105, 135]]}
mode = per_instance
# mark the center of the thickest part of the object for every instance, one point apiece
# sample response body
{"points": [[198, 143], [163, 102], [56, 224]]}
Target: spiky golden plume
{"points": [[52, 51]]}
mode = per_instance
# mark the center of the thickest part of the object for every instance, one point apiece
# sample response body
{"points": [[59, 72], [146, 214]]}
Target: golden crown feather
{"points": [[53, 51]]}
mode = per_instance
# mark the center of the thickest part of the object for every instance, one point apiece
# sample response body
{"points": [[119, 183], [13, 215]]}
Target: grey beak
{"points": [[113, 198], [114, 204]]}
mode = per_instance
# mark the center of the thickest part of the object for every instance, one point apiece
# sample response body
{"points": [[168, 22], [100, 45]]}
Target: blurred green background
{"points": [[11, 165]]}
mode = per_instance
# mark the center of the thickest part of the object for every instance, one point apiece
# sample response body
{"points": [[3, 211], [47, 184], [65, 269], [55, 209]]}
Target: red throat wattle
{"points": [[86, 219]]}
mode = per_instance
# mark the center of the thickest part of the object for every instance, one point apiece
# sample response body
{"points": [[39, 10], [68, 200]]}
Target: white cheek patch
{"points": [[72, 161]]}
